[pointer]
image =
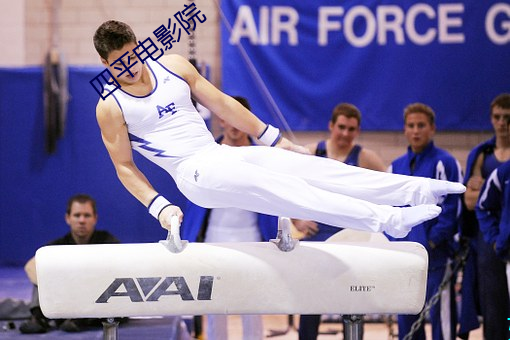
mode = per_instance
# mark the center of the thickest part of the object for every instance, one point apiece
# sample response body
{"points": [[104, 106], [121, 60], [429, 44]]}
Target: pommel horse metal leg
{"points": [[110, 329], [353, 327]]}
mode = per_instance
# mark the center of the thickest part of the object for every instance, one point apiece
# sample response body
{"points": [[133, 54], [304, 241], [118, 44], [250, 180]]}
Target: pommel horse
{"points": [[173, 277]]}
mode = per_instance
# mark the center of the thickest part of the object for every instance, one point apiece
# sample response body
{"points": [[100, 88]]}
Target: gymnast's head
{"points": [[115, 42], [112, 35]]}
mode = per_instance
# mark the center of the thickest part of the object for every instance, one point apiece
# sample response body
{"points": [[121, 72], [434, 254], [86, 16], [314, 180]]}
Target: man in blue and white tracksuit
{"points": [[493, 213], [424, 159]]}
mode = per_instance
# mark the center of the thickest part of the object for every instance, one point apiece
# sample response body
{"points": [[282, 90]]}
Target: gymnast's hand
{"points": [[286, 144], [166, 215]]}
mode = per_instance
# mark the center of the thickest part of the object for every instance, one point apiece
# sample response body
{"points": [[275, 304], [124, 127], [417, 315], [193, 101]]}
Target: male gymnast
{"points": [[153, 114]]}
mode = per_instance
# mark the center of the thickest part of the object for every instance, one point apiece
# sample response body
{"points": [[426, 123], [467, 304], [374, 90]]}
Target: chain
{"points": [[459, 265], [191, 44]]}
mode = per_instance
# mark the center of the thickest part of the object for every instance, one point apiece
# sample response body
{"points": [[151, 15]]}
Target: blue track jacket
{"points": [[493, 210], [435, 163]]}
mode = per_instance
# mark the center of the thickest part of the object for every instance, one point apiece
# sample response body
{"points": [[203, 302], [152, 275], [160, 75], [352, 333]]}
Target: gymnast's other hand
{"points": [[166, 215], [286, 144]]}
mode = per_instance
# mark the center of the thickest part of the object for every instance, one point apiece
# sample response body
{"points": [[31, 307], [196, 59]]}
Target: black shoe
{"points": [[34, 326], [70, 326]]}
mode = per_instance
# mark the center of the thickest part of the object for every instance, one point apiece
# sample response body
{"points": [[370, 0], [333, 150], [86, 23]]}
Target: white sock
{"points": [[412, 216], [442, 188]]}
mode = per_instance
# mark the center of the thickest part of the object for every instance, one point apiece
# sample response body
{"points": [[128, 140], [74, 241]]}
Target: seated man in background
{"points": [[81, 216]]}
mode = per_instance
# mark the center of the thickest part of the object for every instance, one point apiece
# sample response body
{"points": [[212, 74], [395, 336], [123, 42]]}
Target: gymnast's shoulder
{"points": [[107, 110], [180, 66]]}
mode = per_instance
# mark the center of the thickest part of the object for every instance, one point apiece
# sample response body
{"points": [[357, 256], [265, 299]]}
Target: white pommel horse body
{"points": [[153, 279]]}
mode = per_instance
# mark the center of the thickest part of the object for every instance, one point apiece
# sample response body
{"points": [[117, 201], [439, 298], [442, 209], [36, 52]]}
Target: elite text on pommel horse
{"points": [[173, 277]]}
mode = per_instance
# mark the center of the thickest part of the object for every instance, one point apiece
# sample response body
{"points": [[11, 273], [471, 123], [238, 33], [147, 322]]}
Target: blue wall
{"points": [[35, 185]]}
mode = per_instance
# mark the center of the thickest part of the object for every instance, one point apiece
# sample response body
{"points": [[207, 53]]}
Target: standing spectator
{"points": [[344, 128], [493, 212], [484, 277], [424, 159]]}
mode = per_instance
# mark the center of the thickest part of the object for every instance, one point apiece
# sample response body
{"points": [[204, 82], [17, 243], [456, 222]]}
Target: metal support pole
{"points": [[110, 329], [353, 327]]}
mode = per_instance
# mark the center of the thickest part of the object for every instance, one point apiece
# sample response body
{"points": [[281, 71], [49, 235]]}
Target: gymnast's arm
{"points": [[115, 138], [224, 106]]}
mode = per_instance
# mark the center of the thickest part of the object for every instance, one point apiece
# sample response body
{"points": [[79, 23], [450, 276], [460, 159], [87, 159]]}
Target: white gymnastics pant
{"points": [[278, 182]]}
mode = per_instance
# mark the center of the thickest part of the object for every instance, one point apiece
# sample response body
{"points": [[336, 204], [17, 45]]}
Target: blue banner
{"points": [[297, 59]]}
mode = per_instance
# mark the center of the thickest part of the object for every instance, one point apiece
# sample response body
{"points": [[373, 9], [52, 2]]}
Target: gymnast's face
{"points": [[419, 131], [82, 221], [344, 131], [131, 62]]}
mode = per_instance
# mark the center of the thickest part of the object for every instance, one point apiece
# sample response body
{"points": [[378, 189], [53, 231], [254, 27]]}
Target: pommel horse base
{"points": [[153, 279]]}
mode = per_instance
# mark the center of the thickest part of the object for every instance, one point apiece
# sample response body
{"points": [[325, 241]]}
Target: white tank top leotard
{"points": [[164, 126]]}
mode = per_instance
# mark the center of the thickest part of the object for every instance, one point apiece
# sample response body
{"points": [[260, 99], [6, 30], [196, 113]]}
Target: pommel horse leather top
{"points": [[123, 280]]}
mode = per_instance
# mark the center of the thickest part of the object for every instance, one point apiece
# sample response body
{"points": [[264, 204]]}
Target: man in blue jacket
{"points": [[493, 214], [229, 225], [493, 211], [484, 277], [424, 159]]}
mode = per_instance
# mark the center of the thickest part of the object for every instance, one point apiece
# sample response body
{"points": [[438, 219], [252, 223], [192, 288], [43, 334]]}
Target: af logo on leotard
{"points": [[169, 109]]}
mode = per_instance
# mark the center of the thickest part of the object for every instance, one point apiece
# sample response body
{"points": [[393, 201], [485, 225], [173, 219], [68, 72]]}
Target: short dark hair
{"points": [[112, 35], [244, 102], [503, 101], [348, 110], [420, 108], [81, 198]]}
